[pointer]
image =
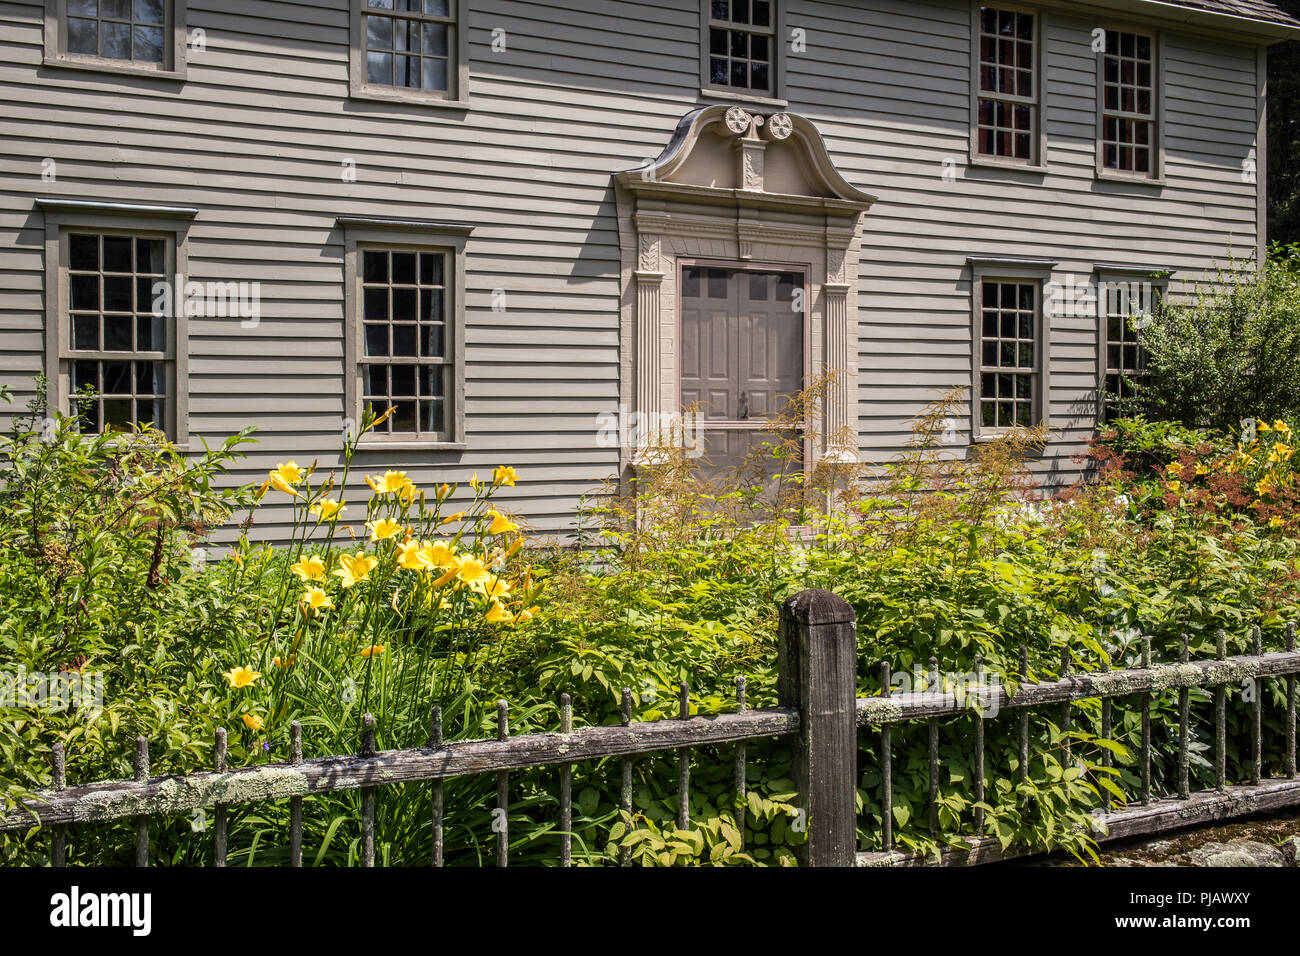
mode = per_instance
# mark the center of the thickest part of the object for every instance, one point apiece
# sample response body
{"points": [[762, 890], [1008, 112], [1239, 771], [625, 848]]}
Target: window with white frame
{"points": [[122, 35], [1128, 104], [1006, 82], [408, 49], [1126, 304], [405, 341], [1008, 351], [742, 42]]}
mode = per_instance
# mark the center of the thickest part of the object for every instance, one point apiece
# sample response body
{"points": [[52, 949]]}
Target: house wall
{"points": [[257, 134]]}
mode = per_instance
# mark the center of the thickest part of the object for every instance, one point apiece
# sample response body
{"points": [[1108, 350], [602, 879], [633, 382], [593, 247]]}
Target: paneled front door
{"points": [[742, 358]]}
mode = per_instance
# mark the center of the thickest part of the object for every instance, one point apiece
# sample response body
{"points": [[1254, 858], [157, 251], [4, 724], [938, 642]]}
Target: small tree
{"points": [[1229, 352]]}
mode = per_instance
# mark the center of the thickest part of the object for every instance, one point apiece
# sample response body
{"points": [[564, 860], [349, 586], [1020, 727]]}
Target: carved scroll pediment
{"points": [[730, 149]]}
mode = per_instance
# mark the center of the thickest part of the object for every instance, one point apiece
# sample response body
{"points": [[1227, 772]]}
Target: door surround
{"points": [[754, 191]]}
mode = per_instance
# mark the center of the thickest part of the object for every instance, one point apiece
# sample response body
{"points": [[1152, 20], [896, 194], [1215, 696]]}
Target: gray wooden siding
{"points": [[256, 136]]}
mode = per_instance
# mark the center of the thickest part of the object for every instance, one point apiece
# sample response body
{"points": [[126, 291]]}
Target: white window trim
{"points": [[1157, 175], [1038, 163], [780, 38], [457, 94], [1107, 273], [174, 67], [420, 235], [67, 216], [1004, 269]]}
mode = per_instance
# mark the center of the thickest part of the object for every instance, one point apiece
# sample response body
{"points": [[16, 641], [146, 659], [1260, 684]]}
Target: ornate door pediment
{"points": [[740, 187]]}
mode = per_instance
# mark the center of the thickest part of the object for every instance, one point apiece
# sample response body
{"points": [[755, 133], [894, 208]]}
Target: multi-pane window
{"points": [[117, 341], [1006, 73], [1127, 307], [133, 30], [405, 356], [1128, 113], [1008, 353], [409, 43], [742, 45]]}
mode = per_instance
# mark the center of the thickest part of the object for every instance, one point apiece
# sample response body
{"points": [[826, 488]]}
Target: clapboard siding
{"points": [[257, 134]]}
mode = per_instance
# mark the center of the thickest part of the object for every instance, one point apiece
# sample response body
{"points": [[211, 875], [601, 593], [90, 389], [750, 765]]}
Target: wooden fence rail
{"points": [[818, 711]]}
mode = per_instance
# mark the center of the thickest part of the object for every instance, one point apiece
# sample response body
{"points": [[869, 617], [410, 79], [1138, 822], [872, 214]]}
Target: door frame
{"points": [[739, 265]]}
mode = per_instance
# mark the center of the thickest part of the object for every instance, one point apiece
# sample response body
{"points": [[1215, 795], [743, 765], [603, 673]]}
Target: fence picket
{"points": [[368, 795], [933, 751], [566, 787], [741, 786], [59, 836], [503, 790], [141, 822], [435, 786], [219, 811], [1184, 730], [979, 749], [1145, 699], [625, 772], [1290, 705], [886, 769], [295, 803], [1221, 721], [684, 764]]}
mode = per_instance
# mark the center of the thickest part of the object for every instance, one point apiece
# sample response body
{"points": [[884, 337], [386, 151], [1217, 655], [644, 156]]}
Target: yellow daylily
{"points": [[450, 518], [412, 557], [383, 529], [285, 477], [327, 509], [372, 650], [443, 491], [391, 483], [471, 571], [497, 614], [500, 523], [1276, 522], [1264, 486], [310, 568], [528, 615], [505, 475], [354, 569], [253, 722], [314, 600], [514, 547], [439, 554], [1281, 426], [241, 676], [496, 589], [1173, 468], [1175, 486], [277, 662]]}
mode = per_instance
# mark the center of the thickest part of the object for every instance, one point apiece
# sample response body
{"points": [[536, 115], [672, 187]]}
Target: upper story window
{"points": [[741, 46], [408, 49], [1128, 104], [1006, 60], [140, 36]]}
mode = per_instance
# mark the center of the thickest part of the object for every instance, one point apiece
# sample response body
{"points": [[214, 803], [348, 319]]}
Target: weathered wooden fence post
{"points": [[818, 675]]}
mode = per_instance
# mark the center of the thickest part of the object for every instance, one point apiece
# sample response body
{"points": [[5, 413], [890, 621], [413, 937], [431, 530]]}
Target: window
{"points": [[112, 326], [406, 340], [1128, 104], [409, 49], [741, 44], [1125, 305], [118, 347], [118, 35], [1006, 82]]}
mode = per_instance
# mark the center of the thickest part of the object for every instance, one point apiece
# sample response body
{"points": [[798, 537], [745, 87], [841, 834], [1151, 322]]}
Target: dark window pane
{"points": [[404, 268], [376, 304], [116, 40], [404, 418], [85, 332], [739, 44], [83, 8], [117, 254], [149, 256], [118, 294], [84, 292], [404, 305], [148, 44], [117, 378], [404, 337], [739, 75], [117, 9], [379, 33], [406, 71], [376, 380], [430, 268], [117, 414], [117, 333], [432, 343], [435, 75], [762, 13], [379, 68], [83, 36], [435, 39], [83, 252], [431, 381], [376, 339], [149, 11], [759, 76], [438, 8], [717, 41], [403, 380], [85, 375], [431, 416], [374, 266], [145, 378], [149, 334]]}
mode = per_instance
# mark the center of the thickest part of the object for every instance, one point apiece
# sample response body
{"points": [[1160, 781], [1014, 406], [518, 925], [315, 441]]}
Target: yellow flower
{"points": [[355, 568], [1276, 522], [439, 554], [1175, 486], [241, 676], [500, 523], [1263, 426], [474, 482], [371, 650], [443, 491], [495, 589], [383, 529], [253, 722], [1173, 468], [1201, 469], [310, 568], [277, 662], [514, 546], [1280, 453], [412, 556], [392, 483], [470, 571], [497, 614], [285, 476], [505, 475], [528, 615], [1281, 426], [447, 576], [456, 517], [327, 509], [314, 600], [1264, 486]]}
